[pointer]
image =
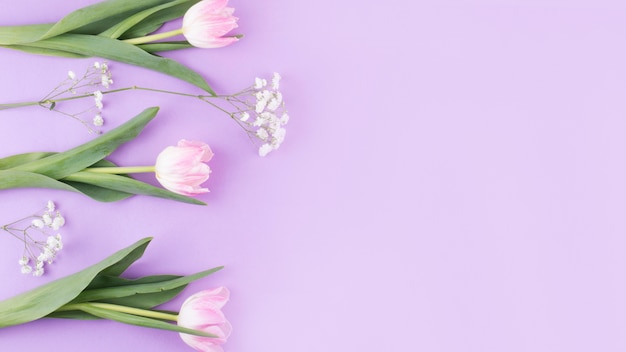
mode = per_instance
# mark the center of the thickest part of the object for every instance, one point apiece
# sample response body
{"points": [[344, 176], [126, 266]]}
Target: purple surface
{"points": [[452, 180]]}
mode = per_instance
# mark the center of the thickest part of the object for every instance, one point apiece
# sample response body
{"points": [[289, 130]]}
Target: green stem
{"points": [[154, 37], [123, 309], [120, 170], [74, 97]]}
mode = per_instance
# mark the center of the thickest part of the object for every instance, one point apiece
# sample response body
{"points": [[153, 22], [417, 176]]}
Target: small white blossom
{"points": [[275, 81], [38, 272], [50, 205], [24, 260], [244, 117], [273, 104], [262, 133], [265, 149], [260, 106], [98, 120], [258, 83], [38, 223], [47, 220], [58, 222], [96, 65], [71, 75], [27, 269], [284, 119]]}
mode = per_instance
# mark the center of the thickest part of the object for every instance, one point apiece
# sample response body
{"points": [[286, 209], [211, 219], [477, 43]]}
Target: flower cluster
{"points": [[261, 111], [91, 83], [41, 240]]}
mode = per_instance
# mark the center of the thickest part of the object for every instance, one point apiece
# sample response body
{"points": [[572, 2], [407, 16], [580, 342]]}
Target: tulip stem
{"points": [[122, 309], [120, 170], [153, 37]]}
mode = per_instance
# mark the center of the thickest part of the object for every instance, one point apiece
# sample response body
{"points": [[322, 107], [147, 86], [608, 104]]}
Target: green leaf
{"points": [[10, 35], [140, 321], [141, 288], [127, 185], [98, 193], [21, 179], [116, 50], [72, 314], [155, 21], [19, 159], [60, 165], [110, 281], [165, 46], [45, 299], [132, 255], [123, 26], [43, 51], [96, 12]]}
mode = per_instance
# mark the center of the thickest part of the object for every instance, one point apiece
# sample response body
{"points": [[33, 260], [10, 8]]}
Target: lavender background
{"points": [[452, 179]]}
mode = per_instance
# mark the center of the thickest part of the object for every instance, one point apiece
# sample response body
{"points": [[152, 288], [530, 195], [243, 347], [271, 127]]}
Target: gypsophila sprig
{"points": [[259, 109], [41, 239], [90, 84]]}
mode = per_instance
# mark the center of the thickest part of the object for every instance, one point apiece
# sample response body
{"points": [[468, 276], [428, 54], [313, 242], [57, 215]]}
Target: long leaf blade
{"points": [[123, 26], [130, 290], [141, 321], [116, 50], [19, 159], [76, 159], [45, 299], [22, 179], [127, 185], [93, 13]]}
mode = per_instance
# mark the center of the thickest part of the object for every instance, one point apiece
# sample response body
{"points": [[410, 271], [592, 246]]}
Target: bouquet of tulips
{"points": [[99, 292]]}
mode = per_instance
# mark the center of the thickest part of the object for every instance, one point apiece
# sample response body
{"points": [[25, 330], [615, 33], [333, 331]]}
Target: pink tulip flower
{"points": [[202, 311], [206, 23], [182, 168]]}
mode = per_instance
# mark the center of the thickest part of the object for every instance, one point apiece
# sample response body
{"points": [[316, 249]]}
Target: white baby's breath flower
{"points": [[71, 75], [24, 260], [38, 223], [40, 246], [47, 219], [265, 149], [58, 222], [276, 81], [98, 120], [262, 133], [258, 83], [27, 269], [244, 117]]}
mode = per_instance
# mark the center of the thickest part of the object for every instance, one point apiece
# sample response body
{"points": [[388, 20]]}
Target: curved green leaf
{"points": [[19, 159], [93, 13], [123, 26], [10, 35], [128, 185], [116, 50], [141, 288], [44, 51], [165, 46], [76, 159], [99, 193], [155, 21], [45, 299], [23, 179], [140, 321]]}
